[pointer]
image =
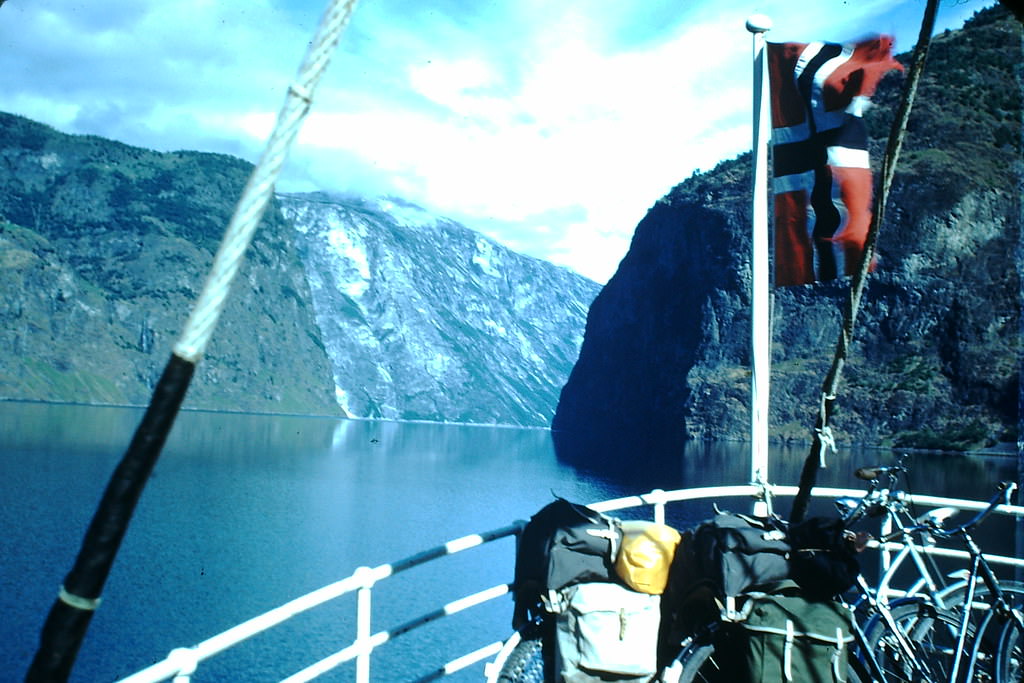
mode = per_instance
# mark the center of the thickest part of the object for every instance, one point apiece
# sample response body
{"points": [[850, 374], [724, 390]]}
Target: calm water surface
{"points": [[245, 512]]}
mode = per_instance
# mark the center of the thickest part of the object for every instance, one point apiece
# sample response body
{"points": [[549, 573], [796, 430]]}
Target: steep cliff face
{"points": [[103, 250], [936, 355], [425, 319], [646, 330], [365, 308]]}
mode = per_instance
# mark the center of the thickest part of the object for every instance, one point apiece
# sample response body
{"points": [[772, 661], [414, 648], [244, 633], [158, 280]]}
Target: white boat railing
{"points": [[181, 663]]}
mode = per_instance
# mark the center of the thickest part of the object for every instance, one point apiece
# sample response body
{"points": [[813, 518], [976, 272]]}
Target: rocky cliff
{"points": [[936, 356], [347, 306], [104, 250], [425, 319]]}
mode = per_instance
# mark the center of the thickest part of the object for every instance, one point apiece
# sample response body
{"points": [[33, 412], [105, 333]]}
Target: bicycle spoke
{"points": [[931, 636]]}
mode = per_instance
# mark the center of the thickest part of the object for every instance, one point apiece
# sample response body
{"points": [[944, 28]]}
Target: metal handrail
{"points": [[181, 663]]}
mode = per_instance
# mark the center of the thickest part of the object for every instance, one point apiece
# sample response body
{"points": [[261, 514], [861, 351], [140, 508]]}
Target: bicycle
{"points": [[906, 621], [949, 642], [906, 640], [890, 501]]}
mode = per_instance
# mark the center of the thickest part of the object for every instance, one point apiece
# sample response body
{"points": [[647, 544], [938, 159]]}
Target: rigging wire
{"points": [[812, 464], [79, 596]]}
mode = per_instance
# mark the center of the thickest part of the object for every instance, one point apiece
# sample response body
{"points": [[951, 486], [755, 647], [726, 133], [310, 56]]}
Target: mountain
{"points": [[425, 319], [379, 309], [936, 354], [104, 247], [104, 250]]}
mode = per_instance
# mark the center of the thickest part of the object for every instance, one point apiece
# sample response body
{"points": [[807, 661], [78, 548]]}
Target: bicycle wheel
{"points": [[1000, 637], [931, 636], [701, 664], [953, 596], [695, 663], [525, 664], [1010, 654]]}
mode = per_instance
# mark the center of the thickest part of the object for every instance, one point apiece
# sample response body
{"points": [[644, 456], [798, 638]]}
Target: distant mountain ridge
{"points": [[104, 246], [936, 358], [425, 319], [380, 309]]}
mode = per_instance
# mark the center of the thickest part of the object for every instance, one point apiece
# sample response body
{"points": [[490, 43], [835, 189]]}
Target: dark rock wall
{"points": [[936, 355]]}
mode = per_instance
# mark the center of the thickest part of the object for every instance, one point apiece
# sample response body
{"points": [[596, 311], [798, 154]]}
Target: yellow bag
{"points": [[646, 554]]}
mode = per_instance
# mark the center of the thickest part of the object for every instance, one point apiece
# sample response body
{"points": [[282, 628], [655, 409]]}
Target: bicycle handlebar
{"points": [[862, 505], [1001, 497], [872, 500], [873, 475]]}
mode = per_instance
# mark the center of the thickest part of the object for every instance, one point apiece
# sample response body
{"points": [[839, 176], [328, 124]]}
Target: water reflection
{"points": [[245, 512]]}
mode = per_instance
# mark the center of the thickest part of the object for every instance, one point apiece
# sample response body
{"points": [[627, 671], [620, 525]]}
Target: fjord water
{"points": [[245, 512]]}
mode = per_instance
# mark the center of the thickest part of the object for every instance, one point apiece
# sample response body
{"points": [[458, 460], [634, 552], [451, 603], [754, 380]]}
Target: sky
{"points": [[551, 126]]}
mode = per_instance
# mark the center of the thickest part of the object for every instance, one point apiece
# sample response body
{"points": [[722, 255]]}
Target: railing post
{"points": [[366, 578], [657, 498], [185, 661]]}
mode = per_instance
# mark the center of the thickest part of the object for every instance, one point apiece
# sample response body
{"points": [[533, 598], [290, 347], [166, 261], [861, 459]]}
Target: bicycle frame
{"points": [[979, 567], [928, 582]]}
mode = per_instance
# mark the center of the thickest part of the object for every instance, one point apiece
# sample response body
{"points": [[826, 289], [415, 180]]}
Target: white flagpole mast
{"points": [[760, 337]]}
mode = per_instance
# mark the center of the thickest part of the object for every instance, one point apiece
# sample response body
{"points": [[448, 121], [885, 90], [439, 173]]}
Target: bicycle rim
{"points": [[1010, 655], [699, 665], [932, 638]]}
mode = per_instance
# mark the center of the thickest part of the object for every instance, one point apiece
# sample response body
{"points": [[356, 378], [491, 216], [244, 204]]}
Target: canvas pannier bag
{"points": [[785, 637], [645, 555], [607, 633], [563, 544], [736, 552]]}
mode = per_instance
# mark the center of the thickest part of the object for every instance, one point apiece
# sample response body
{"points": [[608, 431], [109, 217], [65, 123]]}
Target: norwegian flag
{"points": [[822, 175]]}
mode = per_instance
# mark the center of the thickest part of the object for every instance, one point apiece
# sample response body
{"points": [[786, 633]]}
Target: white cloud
{"points": [[553, 126], [455, 84], [593, 250], [610, 132]]}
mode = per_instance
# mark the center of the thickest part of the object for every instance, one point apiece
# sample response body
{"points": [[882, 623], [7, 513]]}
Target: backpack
{"points": [[607, 632], [563, 544], [785, 637], [732, 554], [716, 561], [735, 553]]}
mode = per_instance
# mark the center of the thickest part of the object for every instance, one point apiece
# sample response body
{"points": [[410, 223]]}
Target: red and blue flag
{"points": [[822, 173]]}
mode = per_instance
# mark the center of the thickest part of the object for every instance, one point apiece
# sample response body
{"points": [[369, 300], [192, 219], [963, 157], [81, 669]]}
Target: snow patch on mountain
{"points": [[425, 319]]}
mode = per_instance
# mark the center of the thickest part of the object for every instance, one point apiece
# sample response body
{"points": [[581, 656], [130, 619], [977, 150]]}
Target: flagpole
{"points": [[760, 337]]}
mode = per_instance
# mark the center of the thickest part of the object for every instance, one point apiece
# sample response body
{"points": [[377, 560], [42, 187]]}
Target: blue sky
{"points": [[551, 126]]}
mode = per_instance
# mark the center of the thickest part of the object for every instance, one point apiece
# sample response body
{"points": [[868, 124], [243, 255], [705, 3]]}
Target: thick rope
{"points": [[260, 188], [822, 430], [78, 598]]}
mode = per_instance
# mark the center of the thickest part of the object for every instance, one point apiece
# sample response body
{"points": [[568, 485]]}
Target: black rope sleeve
{"points": [[69, 617]]}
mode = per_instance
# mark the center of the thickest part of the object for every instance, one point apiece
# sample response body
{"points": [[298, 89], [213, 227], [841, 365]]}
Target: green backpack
{"points": [[785, 637]]}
